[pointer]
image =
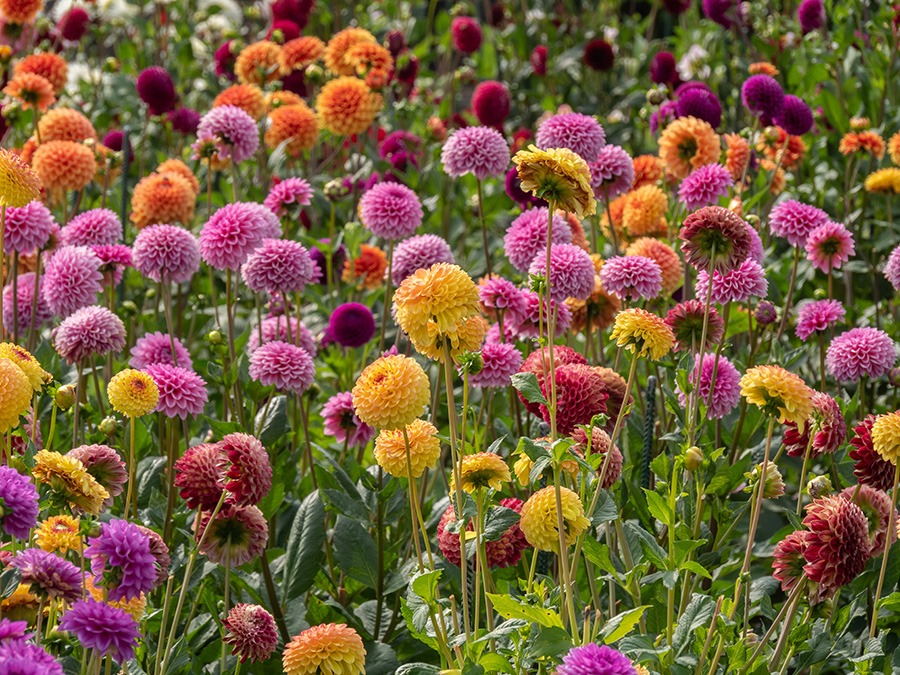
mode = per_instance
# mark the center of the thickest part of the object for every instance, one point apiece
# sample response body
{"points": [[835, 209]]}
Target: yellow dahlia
{"points": [[778, 392], [132, 393], [424, 449], [59, 534], [481, 470], [894, 148], [391, 392], [329, 649], [643, 211], [135, 606], [247, 97], [300, 53], [557, 175], [642, 333], [664, 256], [258, 63], [19, 185], [15, 394], [36, 375], [886, 437], [294, 125], [347, 106], [688, 143], [539, 519], [22, 605], [340, 44], [70, 481], [524, 464], [885, 181]]}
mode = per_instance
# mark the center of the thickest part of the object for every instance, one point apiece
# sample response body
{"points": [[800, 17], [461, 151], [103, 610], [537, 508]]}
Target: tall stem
{"points": [[484, 237], [891, 535]]}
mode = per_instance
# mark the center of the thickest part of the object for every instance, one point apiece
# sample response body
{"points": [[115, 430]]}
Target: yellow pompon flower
{"points": [[884, 181], [329, 648], [68, 478], [391, 392], [523, 465], [424, 449], [686, 144], [557, 175], [339, 46], [894, 148], [135, 607], [15, 394], [778, 392], [481, 470], [36, 375], [642, 333], [132, 393], [538, 518], [863, 142], [19, 184], [886, 437], [347, 106], [59, 534]]}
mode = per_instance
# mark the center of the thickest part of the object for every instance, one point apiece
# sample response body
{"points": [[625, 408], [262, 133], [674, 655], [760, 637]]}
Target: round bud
{"points": [[65, 396], [693, 458]]}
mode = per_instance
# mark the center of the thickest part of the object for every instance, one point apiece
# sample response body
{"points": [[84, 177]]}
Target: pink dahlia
{"points": [[466, 34], [501, 361], [156, 88], [794, 220], [114, 258], [284, 366], [686, 321], [245, 466], [105, 465], [739, 285], [571, 272], [181, 391], [892, 269], [582, 134], [726, 389], [251, 632], [232, 234], [527, 236], [829, 246], [818, 316], [860, 352], [391, 211], [232, 130], [490, 103], [837, 544], [612, 172], [237, 535], [631, 277], [418, 252], [600, 443], [166, 253], [28, 228], [580, 395], [288, 192], [284, 329], [278, 266], [481, 151], [502, 552], [538, 363], [500, 295], [705, 186], [826, 428], [876, 505], [97, 227], [342, 423], [89, 332], [756, 245], [198, 476], [25, 300], [154, 348], [788, 560], [871, 468], [526, 325], [72, 280], [714, 236]]}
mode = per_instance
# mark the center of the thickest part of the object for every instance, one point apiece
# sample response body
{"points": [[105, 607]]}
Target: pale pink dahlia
{"points": [[631, 277], [860, 352], [794, 220], [342, 423], [166, 253], [726, 389], [705, 186], [283, 365], [182, 392], [391, 211], [582, 134], [287, 192], [527, 236], [612, 173], [818, 316], [72, 280], [571, 272], [829, 246], [97, 227], [28, 228], [25, 297], [153, 348], [739, 285], [500, 295], [89, 332], [481, 151], [501, 361], [278, 266]]}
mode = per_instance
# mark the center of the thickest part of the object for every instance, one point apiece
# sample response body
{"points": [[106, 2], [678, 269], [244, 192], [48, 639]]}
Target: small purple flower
{"points": [[18, 503], [97, 625], [351, 325], [121, 560], [631, 277], [48, 575], [592, 659], [342, 423]]}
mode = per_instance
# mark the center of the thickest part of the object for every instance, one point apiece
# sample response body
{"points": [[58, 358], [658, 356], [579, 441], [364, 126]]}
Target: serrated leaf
{"points": [[355, 552], [622, 624], [659, 509], [498, 521], [527, 385], [512, 608]]}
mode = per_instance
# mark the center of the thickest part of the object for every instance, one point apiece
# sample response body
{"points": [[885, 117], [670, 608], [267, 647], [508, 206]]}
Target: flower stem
{"points": [[888, 540]]}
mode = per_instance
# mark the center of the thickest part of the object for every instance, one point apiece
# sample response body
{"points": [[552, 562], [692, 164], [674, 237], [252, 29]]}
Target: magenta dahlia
{"points": [[612, 172], [182, 392], [705, 186], [167, 253], [860, 352], [72, 280], [631, 277], [391, 211], [282, 365], [726, 392], [794, 220], [89, 332], [829, 246], [571, 272], [342, 423], [153, 348], [818, 316], [739, 285], [481, 151], [28, 228]]}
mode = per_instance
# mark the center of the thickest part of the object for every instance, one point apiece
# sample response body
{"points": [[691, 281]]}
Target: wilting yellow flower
{"points": [[778, 392], [642, 333], [36, 375], [135, 607], [132, 393], [481, 470], [539, 519], [686, 144], [884, 181], [329, 648], [15, 394], [391, 392], [59, 534], [894, 148], [424, 449], [18, 183], [558, 176], [70, 481], [886, 437]]}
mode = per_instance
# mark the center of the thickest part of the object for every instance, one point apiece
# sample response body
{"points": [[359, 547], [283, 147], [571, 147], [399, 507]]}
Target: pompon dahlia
{"points": [[829, 246], [686, 144], [497, 295], [631, 277], [557, 175], [701, 103], [278, 266], [36, 375], [166, 253], [705, 186], [738, 285], [876, 505], [132, 393], [258, 63], [232, 234], [88, 332], [108, 630], [338, 47], [104, 465], [794, 220], [28, 228], [795, 117], [48, 575], [289, 192], [503, 552], [525, 325], [295, 126], [538, 363], [598, 54], [860, 352], [871, 468], [96, 227], [582, 134], [481, 151], [390, 211], [466, 34], [643, 211], [662, 254], [236, 536], [539, 518], [892, 268], [301, 52], [121, 560], [327, 648], [580, 395], [199, 477], [715, 237], [648, 170], [232, 132], [245, 469], [63, 165], [182, 392], [818, 316], [342, 422], [788, 560], [727, 390], [247, 97], [886, 437], [347, 106], [571, 272], [391, 392], [15, 394], [642, 333], [778, 392], [481, 470], [612, 172], [156, 348], [69, 481], [826, 429], [593, 658], [65, 124], [31, 91], [59, 534], [284, 329], [811, 15], [156, 88], [837, 544], [19, 502], [501, 360], [490, 103], [251, 632], [526, 237], [424, 449], [762, 96], [418, 252], [72, 280], [285, 366], [599, 445], [351, 325], [163, 198], [737, 155]]}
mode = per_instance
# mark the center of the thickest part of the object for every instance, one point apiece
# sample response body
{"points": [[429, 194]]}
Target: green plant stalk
{"points": [[484, 236], [388, 290], [873, 630], [697, 368]]}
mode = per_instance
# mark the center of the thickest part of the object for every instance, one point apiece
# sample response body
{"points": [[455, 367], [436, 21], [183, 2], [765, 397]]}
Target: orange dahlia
{"points": [[294, 124], [763, 68], [65, 124], [894, 148], [686, 144], [64, 165], [737, 154], [368, 268], [20, 11], [182, 169], [371, 60], [247, 97], [644, 211], [648, 169], [48, 65], [19, 184], [258, 63], [338, 46], [347, 106], [162, 198], [300, 53], [330, 648], [776, 141], [281, 98], [34, 91], [661, 253], [863, 141]]}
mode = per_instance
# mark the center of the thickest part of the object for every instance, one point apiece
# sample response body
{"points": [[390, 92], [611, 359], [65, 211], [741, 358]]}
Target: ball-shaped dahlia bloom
{"points": [[121, 560], [705, 186], [503, 552], [132, 393], [580, 395], [811, 15], [154, 348], [424, 449], [779, 393], [236, 536], [232, 131], [72, 280], [738, 285], [837, 544], [326, 648], [582, 134], [726, 390], [612, 172], [418, 252], [539, 519], [166, 253], [251, 632], [527, 236], [391, 392], [48, 575], [232, 234], [88, 332], [390, 211], [818, 316], [829, 246], [870, 468], [701, 103], [25, 297], [490, 103], [99, 626], [156, 88], [594, 658], [892, 269], [571, 272], [97, 227], [860, 352], [20, 503], [762, 96], [715, 237], [501, 360], [28, 228], [631, 277], [795, 117], [824, 432], [351, 325], [283, 365], [466, 34], [481, 151], [598, 54], [794, 220], [876, 505], [278, 266], [182, 392]]}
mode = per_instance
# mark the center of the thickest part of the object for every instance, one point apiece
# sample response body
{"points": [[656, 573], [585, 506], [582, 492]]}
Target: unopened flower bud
{"points": [[215, 338], [894, 377], [334, 190], [471, 363], [773, 484], [693, 458], [772, 134], [65, 396], [108, 426], [655, 97], [819, 486]]}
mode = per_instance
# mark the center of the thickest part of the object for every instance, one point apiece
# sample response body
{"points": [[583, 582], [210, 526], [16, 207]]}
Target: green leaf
{"points": [[304, 547], [512, 608], [696, 614], [606, 510], [622, 624], [527, 385], [659, 509], [355, 552], [696, 568], [417, 669], [599, 554], [498, 521], [492, 662], [552, 642], [275, 423]]}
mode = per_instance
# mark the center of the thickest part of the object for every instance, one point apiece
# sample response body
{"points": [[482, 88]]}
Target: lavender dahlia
{"points": [[232, 234], [153, 348], [278, 266], [726, 391], [121, 560], [501, 360], [166, 253], [571, 272], [18, 503], [481, 151], [582, 134], [612, 172], [418, 252], [526, 325], [100, 626], [282, 365], [48, 575], [343, 424], [89, 332], [527, 236], [631, 277], [892, 269]]}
